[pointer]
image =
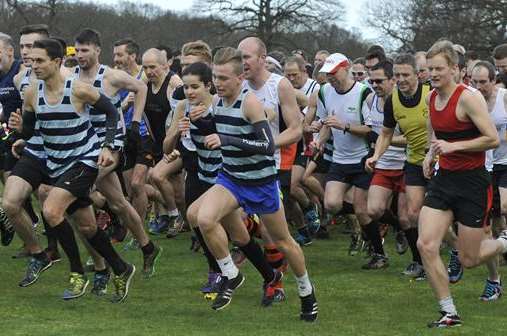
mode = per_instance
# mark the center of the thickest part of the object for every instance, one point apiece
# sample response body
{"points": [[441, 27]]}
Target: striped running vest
{"points": [[97, 118], [243, 168], [68, 136], [209, 161], [34, 146]]}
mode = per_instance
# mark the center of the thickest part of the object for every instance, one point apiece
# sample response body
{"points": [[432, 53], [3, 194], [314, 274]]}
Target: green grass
{"points": [[351, 301]]}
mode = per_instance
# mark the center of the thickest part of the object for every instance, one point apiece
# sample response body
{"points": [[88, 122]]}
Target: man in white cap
{"points": [[342, 110]]}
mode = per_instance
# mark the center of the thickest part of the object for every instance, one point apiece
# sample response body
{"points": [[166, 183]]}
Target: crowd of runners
{"points": [[236, 143]]}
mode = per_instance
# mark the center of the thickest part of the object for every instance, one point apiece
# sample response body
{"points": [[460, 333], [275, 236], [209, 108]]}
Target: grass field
{"points": [[351, 301]]}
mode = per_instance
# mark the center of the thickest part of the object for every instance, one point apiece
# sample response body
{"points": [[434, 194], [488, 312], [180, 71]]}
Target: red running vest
{"points": [[447, 127]]}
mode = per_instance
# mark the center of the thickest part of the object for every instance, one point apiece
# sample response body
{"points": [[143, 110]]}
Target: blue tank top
{"points": [[9, 95], [129, 114]]}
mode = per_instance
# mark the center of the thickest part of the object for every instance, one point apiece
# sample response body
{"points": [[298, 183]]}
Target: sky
{"points": [[355, 12]]}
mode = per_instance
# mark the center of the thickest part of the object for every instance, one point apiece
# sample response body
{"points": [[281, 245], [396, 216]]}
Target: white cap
{"points": [[333, 62]]}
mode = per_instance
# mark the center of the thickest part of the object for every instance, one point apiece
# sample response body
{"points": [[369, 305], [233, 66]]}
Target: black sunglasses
{"points": [[376, 81]]}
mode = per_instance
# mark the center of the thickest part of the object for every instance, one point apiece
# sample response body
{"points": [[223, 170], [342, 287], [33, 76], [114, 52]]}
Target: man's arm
{"points": [[173, 133], [89, 95], [25, 127], [174, 83], [263, 142], [122, 80], [290, 114]]}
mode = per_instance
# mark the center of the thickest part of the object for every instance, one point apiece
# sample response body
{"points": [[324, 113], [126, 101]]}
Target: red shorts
{"points": [[392, 179]]}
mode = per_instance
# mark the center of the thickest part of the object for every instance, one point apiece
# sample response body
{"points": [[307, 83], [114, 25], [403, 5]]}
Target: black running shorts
{"points": [[468, 194]]}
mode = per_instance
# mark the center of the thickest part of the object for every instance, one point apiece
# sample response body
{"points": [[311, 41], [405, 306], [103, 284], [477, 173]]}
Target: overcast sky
{"points": [[355, 11]]}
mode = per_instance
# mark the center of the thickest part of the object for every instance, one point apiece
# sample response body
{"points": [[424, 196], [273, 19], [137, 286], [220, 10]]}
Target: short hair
{"points": [[168, 51], [89, 36], [197, 48], [131, 46], [323, 51], [199, 69], [385, 65], [161, 59], [375, 51], [488, 66], [229, 55], [446, 48], [298, 60], [500, 51], [420, 54], [6, 40], [261, 46], [359, 60], [62, 42], [41, 29], [471, 55], [278, 55], [408, 59], [53, 47]]}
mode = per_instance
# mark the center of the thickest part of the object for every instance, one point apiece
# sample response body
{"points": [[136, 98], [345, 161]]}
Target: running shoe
{"points": [[77, 286], [309, 307], [312, 220], [269, 289], [302, 239], [454, 269], [34, 270], [173, 227], [446, 320], [149, 261], [377, 261], [401, 243], [225, 290], [6, 229], [132, 244], [413, 269], [100, 281], [163, 222], [355, 244], [492, 291], [53, 254], [122, 284], [211, 285]]}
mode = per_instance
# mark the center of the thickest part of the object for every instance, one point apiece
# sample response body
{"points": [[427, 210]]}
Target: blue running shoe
{"points": [[455, 269], [303, 240], [312, 220], [153, 224], [163, 223], [211, 285], [100, 281], [492, 291]]}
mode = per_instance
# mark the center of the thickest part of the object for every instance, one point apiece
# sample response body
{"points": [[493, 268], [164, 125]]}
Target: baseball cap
{"points": [[333, 62]]}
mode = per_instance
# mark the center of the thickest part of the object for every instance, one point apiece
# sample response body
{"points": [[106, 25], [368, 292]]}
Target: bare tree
{"points": [[416, 24], [269, 19]]}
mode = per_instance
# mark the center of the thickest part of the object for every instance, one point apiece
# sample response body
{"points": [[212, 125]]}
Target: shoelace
{"points": [[454, 263], [33, 266], [489, 290]]}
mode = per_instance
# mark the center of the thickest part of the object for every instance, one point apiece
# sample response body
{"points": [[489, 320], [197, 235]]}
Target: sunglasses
{"points": [[359, 73], [376, 81]]}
